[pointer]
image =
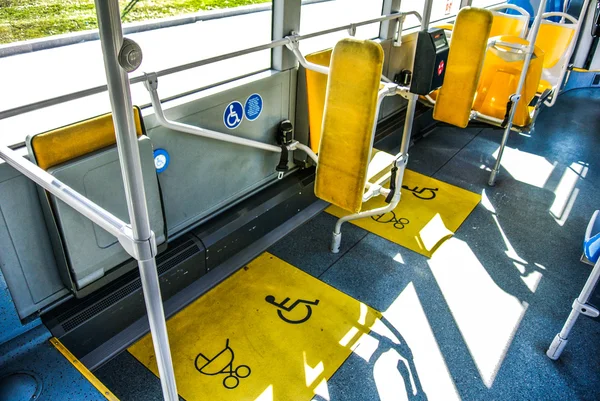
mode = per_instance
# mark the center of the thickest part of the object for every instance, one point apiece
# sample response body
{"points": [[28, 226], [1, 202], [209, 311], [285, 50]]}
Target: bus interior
{"points": [[304, 200]]}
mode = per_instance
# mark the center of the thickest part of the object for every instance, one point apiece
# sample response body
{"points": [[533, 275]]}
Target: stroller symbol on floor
{"points": [[222, 363], [281, 305]]}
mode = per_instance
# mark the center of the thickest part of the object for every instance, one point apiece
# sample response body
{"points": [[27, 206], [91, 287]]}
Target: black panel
{"points": [[229, 233], [83, 324]]}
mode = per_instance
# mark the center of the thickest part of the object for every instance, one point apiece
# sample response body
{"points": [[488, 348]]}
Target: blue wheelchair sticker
{"points": [[233, 115], [253, 107], [161, 160]]}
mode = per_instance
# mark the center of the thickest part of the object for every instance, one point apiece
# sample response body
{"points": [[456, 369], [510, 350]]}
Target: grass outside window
{"points": [[31, 19]]}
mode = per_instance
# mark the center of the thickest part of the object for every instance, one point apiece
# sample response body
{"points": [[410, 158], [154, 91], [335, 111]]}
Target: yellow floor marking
{"points": [[83, 370], [429, 212], [238, 341]]}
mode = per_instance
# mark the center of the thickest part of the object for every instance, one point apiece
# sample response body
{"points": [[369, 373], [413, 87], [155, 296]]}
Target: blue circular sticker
{"points": [[253, 107], [161, 160], [233, 115]]}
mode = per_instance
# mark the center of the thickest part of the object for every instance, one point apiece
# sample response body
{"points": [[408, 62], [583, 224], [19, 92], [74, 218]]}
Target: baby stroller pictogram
{"points": [[281, 305], [222, 363]]}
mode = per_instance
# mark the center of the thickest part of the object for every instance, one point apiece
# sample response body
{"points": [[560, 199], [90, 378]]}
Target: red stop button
{"points": [[441, 67]]}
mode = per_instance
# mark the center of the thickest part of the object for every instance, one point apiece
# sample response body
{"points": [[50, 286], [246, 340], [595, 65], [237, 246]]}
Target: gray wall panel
{"points": [[91, 250], [205, 174], [26, 256]]}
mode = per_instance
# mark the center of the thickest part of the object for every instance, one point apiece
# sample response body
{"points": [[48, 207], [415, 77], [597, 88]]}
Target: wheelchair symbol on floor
{"points": [[232, 117], [419, 192], [282, 307], [222, 364]]}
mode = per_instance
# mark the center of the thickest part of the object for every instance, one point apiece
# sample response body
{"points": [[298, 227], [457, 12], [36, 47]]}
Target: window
{"points": [[485, 3], [30, 77], [444, 9], [329, 14]]}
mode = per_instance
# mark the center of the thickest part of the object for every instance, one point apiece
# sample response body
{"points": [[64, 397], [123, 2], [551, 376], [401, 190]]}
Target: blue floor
{"points": [[545, 247], [474, 321], [32, 369]]}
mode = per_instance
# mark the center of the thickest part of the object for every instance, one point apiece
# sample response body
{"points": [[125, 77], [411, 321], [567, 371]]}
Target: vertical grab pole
{"points": [[412, 98], [111, 37], [517, 96]]}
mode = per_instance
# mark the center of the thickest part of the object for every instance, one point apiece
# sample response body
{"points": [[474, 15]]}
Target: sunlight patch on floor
{"points": [[312, 373], [266, 395], [417, 342], [510, 250], [389, 381], [485, 314], [434, 232], [526, 167], [566, 193], [485, 202], [322, 390]]}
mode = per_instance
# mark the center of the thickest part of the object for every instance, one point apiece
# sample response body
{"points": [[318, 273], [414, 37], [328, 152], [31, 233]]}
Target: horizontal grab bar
{"points": [[80, 203], [141, 78], [152, 86]]}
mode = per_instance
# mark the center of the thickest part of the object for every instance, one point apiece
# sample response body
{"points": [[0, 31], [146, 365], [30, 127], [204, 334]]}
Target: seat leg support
{"points": [[580, 307], [515, 100], [336, 238]]}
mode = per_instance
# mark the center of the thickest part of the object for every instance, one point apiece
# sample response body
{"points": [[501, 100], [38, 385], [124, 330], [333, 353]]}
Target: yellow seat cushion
{"points": [[348, 121], [465, 60], [67, 143]]}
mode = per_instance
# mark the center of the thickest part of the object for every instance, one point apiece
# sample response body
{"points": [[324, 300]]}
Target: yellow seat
{"points": [[67, 143], [554, 39], [348, 122], [543, 86], [508, 25], [500, 78], [467, 51]]}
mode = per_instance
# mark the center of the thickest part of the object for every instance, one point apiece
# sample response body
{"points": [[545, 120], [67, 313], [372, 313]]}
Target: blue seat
{"points": [[591, 244], [551, 6]]}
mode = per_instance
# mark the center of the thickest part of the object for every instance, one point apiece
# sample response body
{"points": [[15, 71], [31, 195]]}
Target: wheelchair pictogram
{"points": [[222, 364], [233, 115], [422, 193], [281, 306]]}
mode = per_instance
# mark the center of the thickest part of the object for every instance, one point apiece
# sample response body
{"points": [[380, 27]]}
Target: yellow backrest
{"points": [[316, 85], [348, 122], [467, 51], [500, 78], [506, 24], [67, 143], [554, 39]]}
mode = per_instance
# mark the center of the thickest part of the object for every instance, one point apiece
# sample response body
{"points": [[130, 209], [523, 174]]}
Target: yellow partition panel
{"points": [[316, 86], [269, 330]]}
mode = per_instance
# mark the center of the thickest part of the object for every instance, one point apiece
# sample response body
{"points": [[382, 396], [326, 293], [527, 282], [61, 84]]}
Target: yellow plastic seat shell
{"points": [[554, 39], [500, 78], [507, 24], [465, 61], [348, 121]]}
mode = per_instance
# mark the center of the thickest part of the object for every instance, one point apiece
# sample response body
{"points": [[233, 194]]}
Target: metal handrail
{"points": [[15, 111]]}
